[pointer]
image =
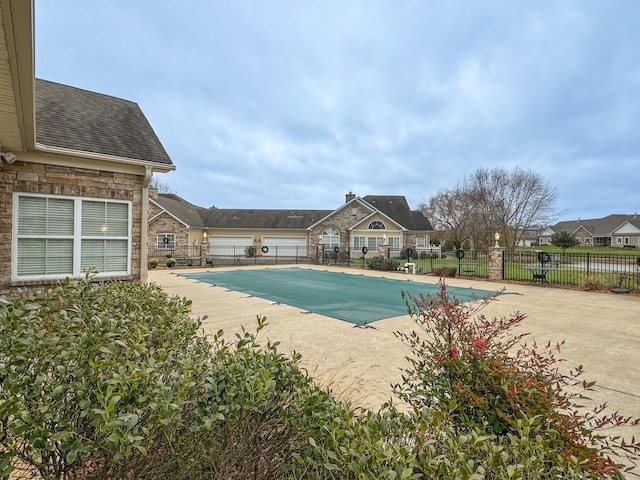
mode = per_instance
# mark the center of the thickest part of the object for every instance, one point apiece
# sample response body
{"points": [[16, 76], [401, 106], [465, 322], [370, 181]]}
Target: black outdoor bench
{"points": [[208, 261]]}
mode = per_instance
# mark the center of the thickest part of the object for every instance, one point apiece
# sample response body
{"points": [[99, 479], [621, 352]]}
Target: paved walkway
{"points": [[601, 330]]}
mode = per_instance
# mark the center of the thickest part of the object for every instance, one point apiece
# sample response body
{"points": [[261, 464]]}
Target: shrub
{"points": [[475, 375], [112, 380], [591, 283], [445, 271], [171, 262], [153, 262], [381, 263], [95, 377]]}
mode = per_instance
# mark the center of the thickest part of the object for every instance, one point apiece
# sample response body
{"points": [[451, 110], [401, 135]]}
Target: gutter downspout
{"points": [[144, 223]]}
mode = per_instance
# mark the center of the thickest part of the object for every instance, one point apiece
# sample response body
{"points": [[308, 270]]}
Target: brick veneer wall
{"points": [[57, 180]]}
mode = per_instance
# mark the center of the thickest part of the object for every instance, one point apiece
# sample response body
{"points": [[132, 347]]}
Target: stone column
{"points": [[496, 258]]}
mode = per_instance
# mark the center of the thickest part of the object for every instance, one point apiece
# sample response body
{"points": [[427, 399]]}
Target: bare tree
{"points": [[490, 201], [161, 187], [518, 200], [447, 214]]}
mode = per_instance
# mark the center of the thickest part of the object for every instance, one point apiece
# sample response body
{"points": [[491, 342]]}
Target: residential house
{"points": [[75, 167], [371, 221], [613, 230]]}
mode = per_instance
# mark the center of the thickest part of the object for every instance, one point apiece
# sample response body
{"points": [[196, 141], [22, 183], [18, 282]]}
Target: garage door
{"points": [[285, 246], [235, 246]]}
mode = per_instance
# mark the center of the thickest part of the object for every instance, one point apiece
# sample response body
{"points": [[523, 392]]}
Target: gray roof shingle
{"points": [[275, 219], [76, 119], [184, 211], [597, 226], [397, 208]]}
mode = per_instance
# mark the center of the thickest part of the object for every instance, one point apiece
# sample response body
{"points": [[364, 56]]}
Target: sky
{"points": [[293, 103]]}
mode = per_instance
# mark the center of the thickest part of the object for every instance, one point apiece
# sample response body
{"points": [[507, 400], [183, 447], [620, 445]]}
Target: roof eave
{"points": [[20, 41], [155, 166]]}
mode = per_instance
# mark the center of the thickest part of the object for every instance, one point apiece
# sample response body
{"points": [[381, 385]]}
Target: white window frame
{"points": [[171, 244], [421, 242], [331, 237], [377, 225], [394, 243], [77, 238]]}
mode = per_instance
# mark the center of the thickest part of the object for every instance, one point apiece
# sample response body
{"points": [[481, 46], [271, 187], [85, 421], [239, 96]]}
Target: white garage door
{"points": [[222, 245], [285, 246]]}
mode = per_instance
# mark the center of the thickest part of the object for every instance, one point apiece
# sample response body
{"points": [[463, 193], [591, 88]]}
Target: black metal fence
{"points": [[585, 270]]}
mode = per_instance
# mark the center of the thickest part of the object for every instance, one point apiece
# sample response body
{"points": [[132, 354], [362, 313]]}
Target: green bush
{"points": [[96, 374], [114, 381], [171, 262], [153, 262], [381, 263]]}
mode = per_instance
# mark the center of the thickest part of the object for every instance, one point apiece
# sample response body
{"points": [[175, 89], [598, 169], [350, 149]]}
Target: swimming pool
{"points": [[354, 298]]}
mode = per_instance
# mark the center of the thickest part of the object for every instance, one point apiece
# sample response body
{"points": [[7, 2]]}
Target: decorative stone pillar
{"points": [[496, 259]]}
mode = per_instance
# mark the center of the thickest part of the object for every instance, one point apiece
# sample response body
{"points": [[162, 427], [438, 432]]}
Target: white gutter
{"points": [[155, 166]]}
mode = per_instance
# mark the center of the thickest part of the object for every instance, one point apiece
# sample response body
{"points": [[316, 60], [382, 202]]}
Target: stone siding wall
{"points": [[342, 220], [167, 224], [56, 180]]}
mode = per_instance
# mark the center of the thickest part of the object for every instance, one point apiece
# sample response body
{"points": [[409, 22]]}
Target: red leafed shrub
{"points": [[477, 373]]}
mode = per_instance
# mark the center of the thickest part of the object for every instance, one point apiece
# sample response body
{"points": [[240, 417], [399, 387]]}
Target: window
{"points": [[421, 242], [394, 243], [377, 225], [331, 237], [166, 240], [63, 236], [374, 242], [626, 240], [619, 240]]}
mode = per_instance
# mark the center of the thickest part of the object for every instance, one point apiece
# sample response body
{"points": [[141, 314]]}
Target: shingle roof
{"points": [[597, 226], [397, 208], [276, 219], [69, 117], [184, 211]]}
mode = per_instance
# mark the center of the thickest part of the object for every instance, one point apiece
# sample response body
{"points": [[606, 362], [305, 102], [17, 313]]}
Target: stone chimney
{"points": [[349, 196], [153, 193]]}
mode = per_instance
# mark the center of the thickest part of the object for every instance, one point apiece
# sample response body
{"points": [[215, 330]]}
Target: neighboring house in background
{"points": [[370, 222], [611, 231], [74, 172], [530, 237]]}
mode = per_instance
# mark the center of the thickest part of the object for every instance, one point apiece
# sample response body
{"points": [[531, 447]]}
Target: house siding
{"points": [[165, 223], [46, 179], [342, 220]]}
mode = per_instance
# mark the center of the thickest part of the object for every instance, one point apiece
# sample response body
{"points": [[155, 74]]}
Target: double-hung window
{"points": [[166, 240], [56, 236]]}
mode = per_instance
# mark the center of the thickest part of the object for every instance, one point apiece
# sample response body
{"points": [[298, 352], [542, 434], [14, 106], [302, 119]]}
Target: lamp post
{"points": [[497, 237]]}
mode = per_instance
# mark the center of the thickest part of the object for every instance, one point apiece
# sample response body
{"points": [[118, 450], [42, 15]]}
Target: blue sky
{"points": [[292, 104]]}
